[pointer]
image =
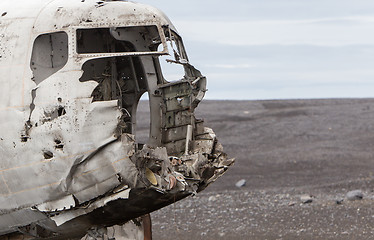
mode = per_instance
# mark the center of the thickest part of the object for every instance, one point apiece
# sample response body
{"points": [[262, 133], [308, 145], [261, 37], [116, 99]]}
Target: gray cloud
{"points": [[266, 49]]}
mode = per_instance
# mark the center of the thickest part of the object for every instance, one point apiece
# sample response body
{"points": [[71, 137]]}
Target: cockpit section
{"points": [[126, 63], [74, 137]]}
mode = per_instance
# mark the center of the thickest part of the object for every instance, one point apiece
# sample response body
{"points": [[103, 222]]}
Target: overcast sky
{"points": [[278, 49]]}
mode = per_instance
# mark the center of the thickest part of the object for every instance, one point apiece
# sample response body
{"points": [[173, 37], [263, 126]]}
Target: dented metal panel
{"points": [[72, 73]]}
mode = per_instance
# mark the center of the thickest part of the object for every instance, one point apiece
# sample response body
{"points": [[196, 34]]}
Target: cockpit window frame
{"points": [[40, 73], [117, 54]]}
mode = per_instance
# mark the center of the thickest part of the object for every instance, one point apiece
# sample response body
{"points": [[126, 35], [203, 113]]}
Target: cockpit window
{"points": [[118, 40], [50, 54], [172, 70], [173, 65]]}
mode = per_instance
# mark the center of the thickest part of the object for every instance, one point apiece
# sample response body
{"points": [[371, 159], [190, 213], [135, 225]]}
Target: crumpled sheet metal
{"points": [[65, 216], [68, 169], [160, 165]]}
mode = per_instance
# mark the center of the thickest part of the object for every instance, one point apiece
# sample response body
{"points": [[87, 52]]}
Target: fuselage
{"points": [[72, 73]]}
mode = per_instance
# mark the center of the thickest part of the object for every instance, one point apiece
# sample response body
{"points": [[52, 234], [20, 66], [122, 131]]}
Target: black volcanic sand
{"points": [[283, 149]]}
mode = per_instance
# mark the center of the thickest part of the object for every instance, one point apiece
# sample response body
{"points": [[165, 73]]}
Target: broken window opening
{"points": [[172, 65], [118, 40], [143, 120], [119, 78], [171, 71], [49, 55]]}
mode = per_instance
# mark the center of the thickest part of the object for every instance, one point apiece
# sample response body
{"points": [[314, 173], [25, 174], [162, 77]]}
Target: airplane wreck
{"points": [[72, 73]]}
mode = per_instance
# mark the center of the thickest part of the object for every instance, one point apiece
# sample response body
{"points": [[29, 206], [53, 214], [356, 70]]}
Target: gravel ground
{"points": [[284, 150], [244, 214]]}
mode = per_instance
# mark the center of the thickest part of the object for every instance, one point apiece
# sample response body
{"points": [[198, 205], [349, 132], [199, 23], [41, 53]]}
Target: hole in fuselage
{"points": [[59, 144], [24, 138], [61, 111], [47, 154]]}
